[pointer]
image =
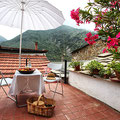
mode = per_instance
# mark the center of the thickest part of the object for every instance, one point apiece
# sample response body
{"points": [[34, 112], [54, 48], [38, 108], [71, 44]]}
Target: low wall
{"points": [[103, 90]]}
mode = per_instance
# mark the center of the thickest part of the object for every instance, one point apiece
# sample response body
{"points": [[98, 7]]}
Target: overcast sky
{"points": [[65, 6]]}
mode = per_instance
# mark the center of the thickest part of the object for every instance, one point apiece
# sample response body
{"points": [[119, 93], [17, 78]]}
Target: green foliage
{"points": [[101, 73], [81, 65], [116, 55], [73, 64], [108, 71], [59, 42], [76, 63], [115, 66], [94, 65], [105, 72]]}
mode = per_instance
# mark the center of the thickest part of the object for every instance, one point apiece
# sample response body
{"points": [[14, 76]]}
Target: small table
{"points": [[27, 82]]}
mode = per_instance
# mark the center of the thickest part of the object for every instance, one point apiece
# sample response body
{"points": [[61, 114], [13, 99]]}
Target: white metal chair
{"points": [[57, 79], [5, 82]]}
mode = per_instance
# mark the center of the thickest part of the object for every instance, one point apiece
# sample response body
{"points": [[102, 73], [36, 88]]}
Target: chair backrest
{"points": [[3, 80], [55, 66]]}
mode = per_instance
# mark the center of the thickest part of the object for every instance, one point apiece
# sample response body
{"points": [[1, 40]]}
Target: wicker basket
{"points": [[46, 110]]}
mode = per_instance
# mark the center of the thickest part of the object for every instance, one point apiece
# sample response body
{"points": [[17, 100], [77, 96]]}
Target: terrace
{"points": [[74, 105]]}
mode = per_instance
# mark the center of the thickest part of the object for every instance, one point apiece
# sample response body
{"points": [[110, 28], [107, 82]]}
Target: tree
{"points": [[106, 16]]}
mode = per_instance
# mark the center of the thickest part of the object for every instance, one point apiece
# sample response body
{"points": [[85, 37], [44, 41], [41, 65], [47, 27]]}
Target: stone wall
{"points": [[89, 51]]}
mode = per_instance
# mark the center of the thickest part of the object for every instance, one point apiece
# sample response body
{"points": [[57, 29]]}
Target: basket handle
{"points": [[39, 98]]}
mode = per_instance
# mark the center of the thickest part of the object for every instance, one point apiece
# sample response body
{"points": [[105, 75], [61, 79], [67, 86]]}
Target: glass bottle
{"points": [[29, 63], [26, 63]]}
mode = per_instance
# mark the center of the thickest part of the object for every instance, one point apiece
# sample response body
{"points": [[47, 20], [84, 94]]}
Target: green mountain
{"points": [[2, 39], [59, 42]]}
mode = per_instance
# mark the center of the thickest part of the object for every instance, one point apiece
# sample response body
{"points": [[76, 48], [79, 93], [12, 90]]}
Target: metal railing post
{"points": [[65, 72]]}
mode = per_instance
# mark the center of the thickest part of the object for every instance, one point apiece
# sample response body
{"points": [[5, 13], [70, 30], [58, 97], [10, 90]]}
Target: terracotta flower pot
{"points": [[117, 74], [95, 72], [106, 76], [77, 68]]}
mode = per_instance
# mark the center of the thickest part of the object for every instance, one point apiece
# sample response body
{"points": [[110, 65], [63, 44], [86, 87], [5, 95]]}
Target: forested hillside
{"points": [[59, 42]]}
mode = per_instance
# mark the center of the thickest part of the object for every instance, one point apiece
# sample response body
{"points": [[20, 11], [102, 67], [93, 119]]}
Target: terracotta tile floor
{"points": [[74, 105]]}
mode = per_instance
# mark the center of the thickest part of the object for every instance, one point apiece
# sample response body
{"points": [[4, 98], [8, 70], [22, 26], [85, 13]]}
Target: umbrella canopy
{"points": [[29, 15]]}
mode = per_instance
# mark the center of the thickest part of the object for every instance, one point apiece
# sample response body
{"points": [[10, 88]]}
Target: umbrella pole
{"points": [[21, 33]]}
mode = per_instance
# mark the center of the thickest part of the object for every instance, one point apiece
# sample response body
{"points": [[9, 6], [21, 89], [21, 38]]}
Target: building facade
{"points": [[89, 52]]}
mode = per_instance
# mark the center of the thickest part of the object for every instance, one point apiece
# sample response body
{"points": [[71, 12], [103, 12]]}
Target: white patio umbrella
{"points": [[29, 14]]}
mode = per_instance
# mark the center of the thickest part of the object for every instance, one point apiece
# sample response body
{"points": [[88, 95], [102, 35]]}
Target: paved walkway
{"points": [[74, 105]]}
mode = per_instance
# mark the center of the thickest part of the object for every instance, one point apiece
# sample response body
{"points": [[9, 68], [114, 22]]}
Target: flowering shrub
{"points": [[112, 43], [91, 39], [106, 16], [75, 16]]}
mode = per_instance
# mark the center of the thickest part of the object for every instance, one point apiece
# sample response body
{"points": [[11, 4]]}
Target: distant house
{"points": [[9, 59], [88, 52]]}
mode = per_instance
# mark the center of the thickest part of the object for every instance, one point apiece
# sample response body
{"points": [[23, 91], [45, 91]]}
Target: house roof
{"points": [[84, 45], [80, 48], [16, 50], [9, 63]]}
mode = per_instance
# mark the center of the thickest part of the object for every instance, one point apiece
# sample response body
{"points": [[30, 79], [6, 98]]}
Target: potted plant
{"points": [[116, 67], [75, 64], [105, 73], [94, 67], [81, 65]]}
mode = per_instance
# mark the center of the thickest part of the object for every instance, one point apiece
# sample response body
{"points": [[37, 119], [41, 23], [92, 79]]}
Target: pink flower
{"points": [[96, 29], [113, 4], [108, 45], [75, 15], [87, 21], [118, 35], [113, 42], [116, 48], [105, 50], [109, 38], [106, 10], [87, 39], [91, 39], [91, 42], [95, 36], [89, 34]]}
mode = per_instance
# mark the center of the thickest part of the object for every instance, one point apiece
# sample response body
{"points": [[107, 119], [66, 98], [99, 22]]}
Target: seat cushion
{"points": [[56, 79], [51, 78]]}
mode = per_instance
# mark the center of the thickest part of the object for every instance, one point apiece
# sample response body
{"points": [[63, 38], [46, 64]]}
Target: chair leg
{"points": [[61, 86], [55, 89], [7, 94], [49, 87], [6, 85]]}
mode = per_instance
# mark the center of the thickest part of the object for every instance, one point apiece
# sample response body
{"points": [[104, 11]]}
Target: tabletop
{"points": [[26, 82]]}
